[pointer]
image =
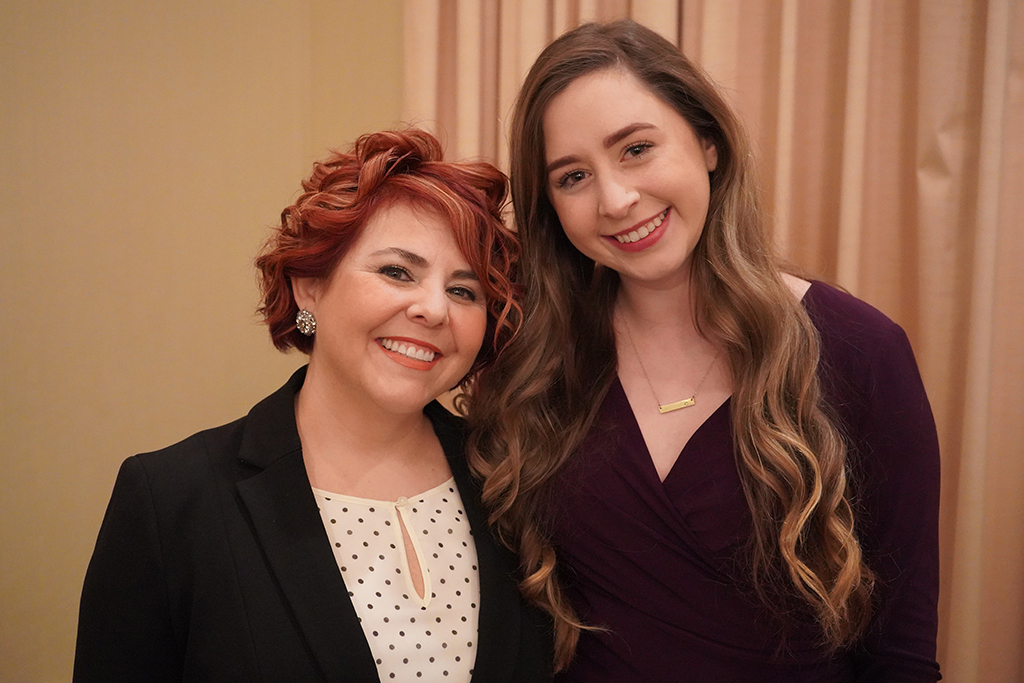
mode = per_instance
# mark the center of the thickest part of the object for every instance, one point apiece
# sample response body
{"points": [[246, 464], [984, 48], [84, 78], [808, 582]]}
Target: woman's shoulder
{"points": [[862, 350], [257, 439], [184, 470], [843, 318], [195, 447]]}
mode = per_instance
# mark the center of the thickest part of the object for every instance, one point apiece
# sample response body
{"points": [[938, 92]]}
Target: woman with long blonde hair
{"points": [[736, 468]]}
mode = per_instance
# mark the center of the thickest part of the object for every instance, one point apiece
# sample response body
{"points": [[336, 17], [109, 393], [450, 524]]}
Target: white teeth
{"points": [[407, 350], [644, 230]]}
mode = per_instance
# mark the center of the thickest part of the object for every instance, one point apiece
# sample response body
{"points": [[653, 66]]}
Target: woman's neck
{"points": [[658, 310], [360, 449]]}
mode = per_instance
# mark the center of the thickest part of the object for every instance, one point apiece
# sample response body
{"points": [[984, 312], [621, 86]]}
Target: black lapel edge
{"points": [[286, 522]]}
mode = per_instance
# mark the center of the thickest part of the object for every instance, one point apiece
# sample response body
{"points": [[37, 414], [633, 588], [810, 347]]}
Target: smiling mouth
{"points": [[643, 231], [408, 350]]}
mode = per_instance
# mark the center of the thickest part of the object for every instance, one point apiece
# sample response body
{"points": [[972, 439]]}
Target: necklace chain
{"points": [[675, 405]]}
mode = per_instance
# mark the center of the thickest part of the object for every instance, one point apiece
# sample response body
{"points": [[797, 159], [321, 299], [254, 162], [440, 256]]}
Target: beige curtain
{"points": [[891, 136]]}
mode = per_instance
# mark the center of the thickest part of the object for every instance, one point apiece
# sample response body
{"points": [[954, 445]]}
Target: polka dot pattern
{"points": [[432, 637]]}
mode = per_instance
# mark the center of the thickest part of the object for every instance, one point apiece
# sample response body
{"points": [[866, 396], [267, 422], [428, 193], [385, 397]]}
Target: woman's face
{"points": [[402, 316], [627, 176]]}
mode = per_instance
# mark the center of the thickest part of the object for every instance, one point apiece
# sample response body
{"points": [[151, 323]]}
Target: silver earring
{"points": [[305, 323]]}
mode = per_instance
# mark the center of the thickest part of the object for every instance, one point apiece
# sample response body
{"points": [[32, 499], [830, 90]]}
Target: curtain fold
{"points": [[890, 138]]}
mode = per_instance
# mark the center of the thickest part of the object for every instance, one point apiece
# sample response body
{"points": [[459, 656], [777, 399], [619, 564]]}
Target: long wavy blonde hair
{"points": [[533, 407]]}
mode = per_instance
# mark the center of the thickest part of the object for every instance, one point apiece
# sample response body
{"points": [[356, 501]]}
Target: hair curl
{"points": [[535, 405], [381, 169]]}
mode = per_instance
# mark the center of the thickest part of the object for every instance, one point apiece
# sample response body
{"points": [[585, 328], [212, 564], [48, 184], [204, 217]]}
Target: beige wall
{"points": [[144, 150]]}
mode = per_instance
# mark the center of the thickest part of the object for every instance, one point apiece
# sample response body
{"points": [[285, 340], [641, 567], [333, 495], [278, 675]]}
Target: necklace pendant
{"points": [[678, 405]]}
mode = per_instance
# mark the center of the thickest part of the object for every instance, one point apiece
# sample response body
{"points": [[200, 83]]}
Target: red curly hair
{"points": [[381, 169]]}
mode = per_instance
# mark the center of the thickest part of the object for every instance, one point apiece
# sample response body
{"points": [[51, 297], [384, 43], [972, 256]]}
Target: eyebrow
{"points": [[609, 141], [414, 259], [420, 262]]}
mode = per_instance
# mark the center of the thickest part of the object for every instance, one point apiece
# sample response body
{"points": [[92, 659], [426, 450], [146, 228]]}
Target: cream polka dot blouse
{"points": [[429, 638]]}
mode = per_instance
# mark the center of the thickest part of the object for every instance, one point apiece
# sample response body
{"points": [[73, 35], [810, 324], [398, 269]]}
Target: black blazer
{"points": [[212, 564]]}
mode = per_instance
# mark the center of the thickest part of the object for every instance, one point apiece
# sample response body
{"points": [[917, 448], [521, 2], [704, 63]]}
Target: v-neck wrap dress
{"points": [[659, 564]]}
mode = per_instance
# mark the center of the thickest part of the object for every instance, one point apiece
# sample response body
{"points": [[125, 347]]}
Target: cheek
{"points": [[703, 196], [575, 224], [469, 326]]}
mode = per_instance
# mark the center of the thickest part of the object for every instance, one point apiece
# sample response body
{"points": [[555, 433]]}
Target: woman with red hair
{"points": [[334, 533]]}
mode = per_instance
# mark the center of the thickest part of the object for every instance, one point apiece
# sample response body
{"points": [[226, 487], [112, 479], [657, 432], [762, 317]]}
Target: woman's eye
{"points": [[571, 178], [637, 150], [395, 272], [462, 293]]}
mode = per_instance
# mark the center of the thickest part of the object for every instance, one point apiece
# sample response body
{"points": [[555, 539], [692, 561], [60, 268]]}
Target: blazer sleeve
{"points": [[125, 631]]}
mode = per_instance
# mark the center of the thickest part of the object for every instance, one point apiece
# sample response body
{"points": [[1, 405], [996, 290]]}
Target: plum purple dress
{"points": [[656, 563]]}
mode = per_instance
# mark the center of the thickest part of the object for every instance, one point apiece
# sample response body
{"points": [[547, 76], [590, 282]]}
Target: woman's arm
{"points": [[124, 624], [896, 476]]}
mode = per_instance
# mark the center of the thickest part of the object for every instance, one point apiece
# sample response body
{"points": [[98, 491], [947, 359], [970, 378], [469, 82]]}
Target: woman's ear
{"points": [[710, 154], [306, 292]]}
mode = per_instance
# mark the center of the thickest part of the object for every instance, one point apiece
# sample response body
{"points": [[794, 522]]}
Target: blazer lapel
{"points": [[499, 617], [287, 524]]}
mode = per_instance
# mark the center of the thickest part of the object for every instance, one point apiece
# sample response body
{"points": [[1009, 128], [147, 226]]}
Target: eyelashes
{"points": [[462, 293], [395, 272], [637, 149], [571, 178]]}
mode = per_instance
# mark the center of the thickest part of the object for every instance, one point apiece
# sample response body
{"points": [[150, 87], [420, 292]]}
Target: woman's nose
{"points": [[429, 306], [616, 197]]}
